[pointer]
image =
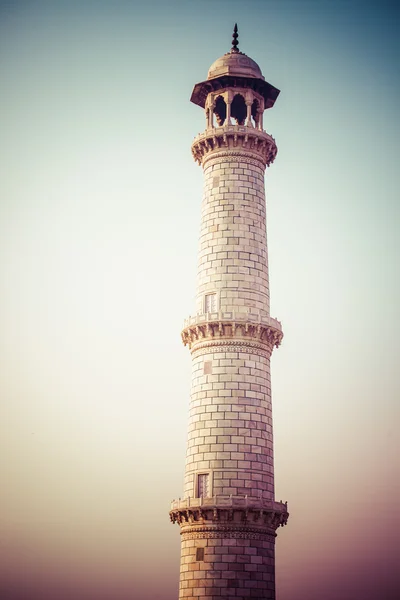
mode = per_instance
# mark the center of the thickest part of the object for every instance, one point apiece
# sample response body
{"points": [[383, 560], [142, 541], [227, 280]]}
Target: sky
{"points": [[99, 221]]}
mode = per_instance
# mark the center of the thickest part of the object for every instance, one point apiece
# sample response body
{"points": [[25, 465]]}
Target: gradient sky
{"points": [[99, 220]]}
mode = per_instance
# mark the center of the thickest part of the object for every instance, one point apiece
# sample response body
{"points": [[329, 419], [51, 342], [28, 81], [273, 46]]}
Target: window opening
{"points": [[239, 109], [210, 303], [199, 553], [254, 111], [220, 110], [203, 484], [207, 367]]}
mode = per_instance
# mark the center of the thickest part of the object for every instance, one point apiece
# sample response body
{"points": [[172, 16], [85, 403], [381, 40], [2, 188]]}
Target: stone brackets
{"points": [[256, 516], [267, 335], [238, 138]]}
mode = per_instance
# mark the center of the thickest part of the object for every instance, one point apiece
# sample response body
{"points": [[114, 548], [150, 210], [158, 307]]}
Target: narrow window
{"points": [[199, 553], [207, 367], [203, 485], [210, 303]]}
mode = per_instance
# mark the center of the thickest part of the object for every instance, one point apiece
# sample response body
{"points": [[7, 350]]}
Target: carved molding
{"points": [[207, 332], [230, 156], [244, 533], [238, 141], [231, 346], [227, 156]]}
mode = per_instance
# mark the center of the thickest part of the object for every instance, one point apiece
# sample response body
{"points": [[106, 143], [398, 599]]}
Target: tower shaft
{"points": [[228, 514]]}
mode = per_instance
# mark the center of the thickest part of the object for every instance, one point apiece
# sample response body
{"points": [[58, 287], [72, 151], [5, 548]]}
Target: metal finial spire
{"points": [[235, 42]]}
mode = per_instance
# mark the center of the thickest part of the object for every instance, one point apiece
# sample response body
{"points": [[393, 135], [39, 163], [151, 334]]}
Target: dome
{"points": [[234, 69], [235, 64]]}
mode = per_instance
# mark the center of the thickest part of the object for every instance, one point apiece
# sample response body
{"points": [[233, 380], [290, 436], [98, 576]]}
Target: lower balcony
{"points": [[229, 510]]}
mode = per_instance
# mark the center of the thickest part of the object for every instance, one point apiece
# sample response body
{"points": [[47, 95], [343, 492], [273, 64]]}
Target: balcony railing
{"points": [[233, 316], [229, 501]]}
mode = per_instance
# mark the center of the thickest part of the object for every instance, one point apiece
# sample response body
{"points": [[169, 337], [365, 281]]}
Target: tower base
{"points": [[228, 547]]}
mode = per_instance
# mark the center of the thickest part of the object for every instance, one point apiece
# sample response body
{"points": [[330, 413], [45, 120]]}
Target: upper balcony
{"points": [[230, 137]]}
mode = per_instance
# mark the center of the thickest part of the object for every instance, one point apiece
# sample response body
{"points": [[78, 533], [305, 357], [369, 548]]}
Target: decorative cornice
{"points": [[256, 515], [215, 84], [266, 333], [239, 140]]}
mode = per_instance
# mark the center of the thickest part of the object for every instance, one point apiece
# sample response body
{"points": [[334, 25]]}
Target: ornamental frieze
{"points": [[229, 156], [231, 346], [201, 533]]}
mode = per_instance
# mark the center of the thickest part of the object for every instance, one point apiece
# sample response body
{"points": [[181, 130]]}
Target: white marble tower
{"points": [[228, 514]]}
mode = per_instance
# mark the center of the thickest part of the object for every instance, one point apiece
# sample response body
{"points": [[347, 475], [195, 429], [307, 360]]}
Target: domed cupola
{"points": [[234, 97], [235, 70], [235, 64]]}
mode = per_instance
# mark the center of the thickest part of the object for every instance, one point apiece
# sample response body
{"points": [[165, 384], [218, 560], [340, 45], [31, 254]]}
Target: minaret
{"points": [[228, 514]]}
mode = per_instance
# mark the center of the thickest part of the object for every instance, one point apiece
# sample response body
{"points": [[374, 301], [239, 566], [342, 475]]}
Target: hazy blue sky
{"points": [[99, 216]]}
